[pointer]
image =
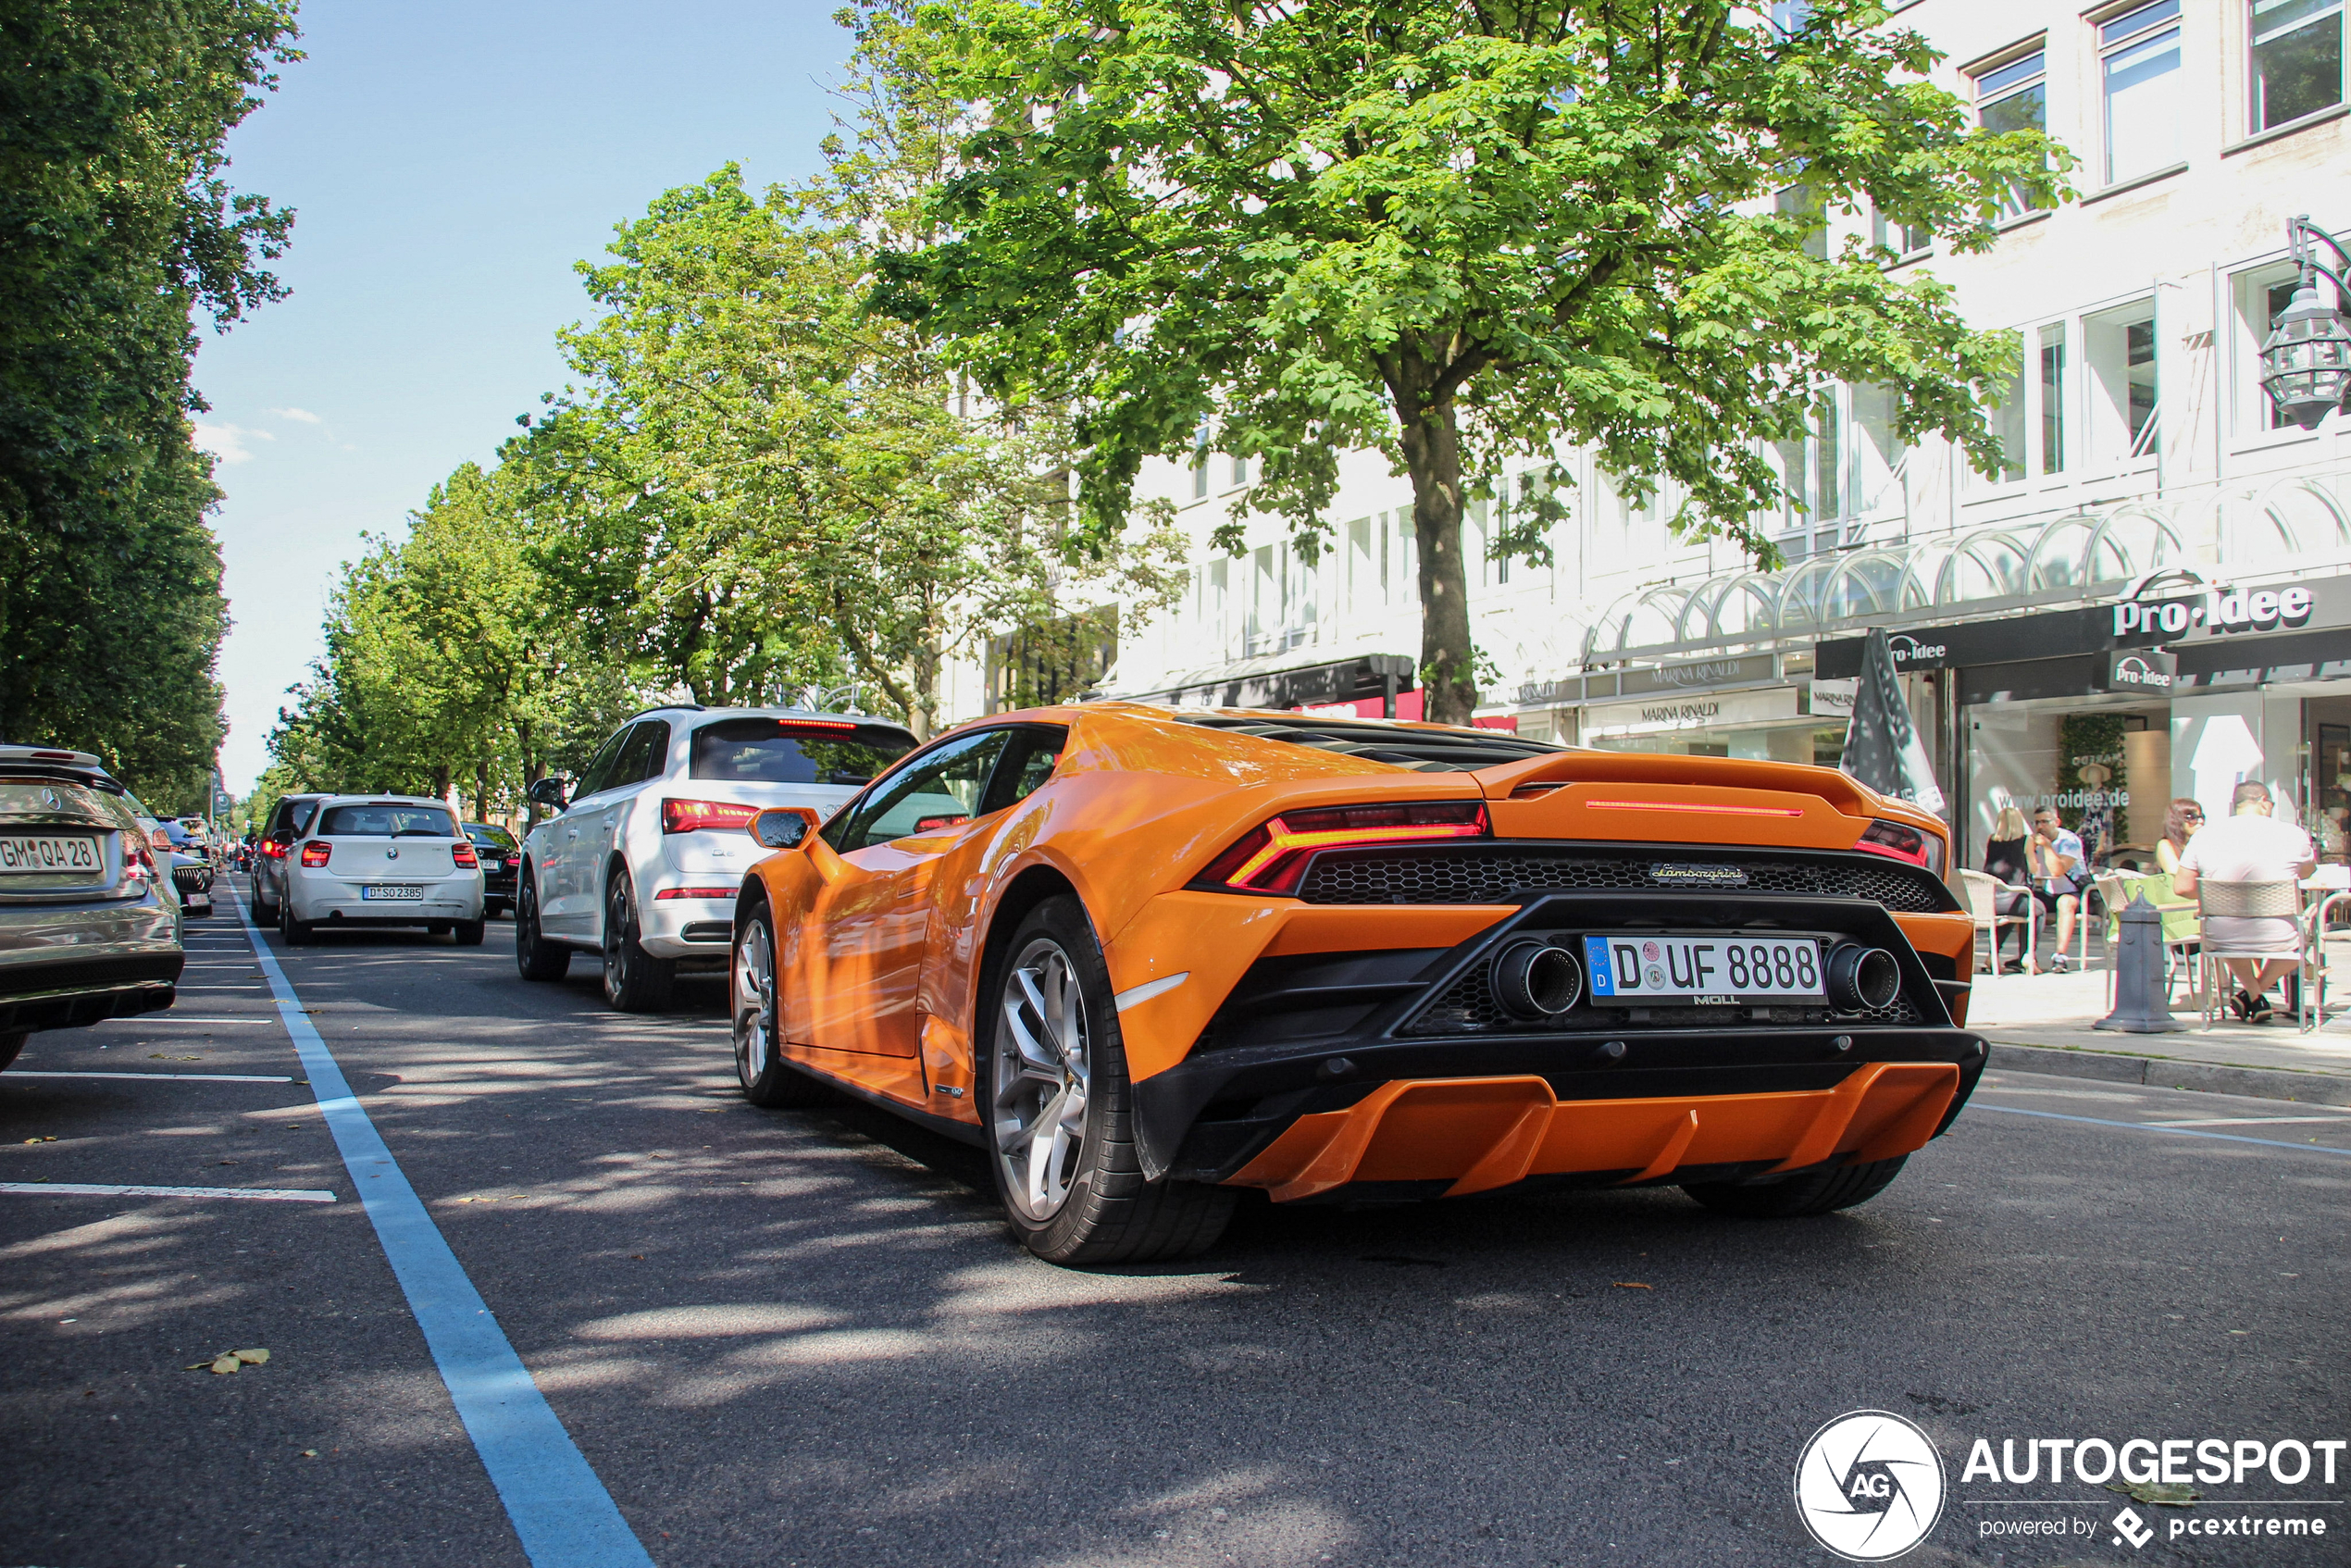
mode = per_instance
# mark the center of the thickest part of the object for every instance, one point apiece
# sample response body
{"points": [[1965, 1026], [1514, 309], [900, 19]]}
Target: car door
{"points": [[860, 962], [642, 757], [557, 865]]}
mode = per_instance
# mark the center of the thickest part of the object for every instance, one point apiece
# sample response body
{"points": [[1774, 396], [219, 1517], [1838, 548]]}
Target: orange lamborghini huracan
{"points": [[1144, 957]]}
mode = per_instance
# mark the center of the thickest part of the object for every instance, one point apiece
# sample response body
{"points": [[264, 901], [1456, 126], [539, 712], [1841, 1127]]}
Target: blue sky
{"points": [[449, 163]]}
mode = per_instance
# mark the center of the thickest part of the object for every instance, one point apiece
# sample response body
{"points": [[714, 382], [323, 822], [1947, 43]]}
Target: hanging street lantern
{"points": [[2306, 363]]}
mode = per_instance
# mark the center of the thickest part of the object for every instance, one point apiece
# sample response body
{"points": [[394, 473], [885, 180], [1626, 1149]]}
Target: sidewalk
{"points": [[2041, 1024]]}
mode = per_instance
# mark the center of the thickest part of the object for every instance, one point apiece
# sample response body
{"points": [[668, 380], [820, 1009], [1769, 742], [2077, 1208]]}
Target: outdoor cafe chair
{"points": [[2182, 927], [1983, 904], [2233, 900], [2314, 937]]}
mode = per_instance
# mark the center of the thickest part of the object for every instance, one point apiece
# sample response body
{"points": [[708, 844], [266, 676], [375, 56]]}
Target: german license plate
{"points": [[49, 853], [1632, 970], [396, 893]]}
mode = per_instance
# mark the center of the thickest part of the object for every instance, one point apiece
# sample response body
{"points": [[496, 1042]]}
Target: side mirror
{"points": [[782, 828], [547, 793]]}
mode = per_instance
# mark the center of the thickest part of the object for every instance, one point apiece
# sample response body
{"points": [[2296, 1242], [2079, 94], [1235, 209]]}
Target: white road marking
{"points": [[185, 1078], [2260, 1122], [96, 1189]]}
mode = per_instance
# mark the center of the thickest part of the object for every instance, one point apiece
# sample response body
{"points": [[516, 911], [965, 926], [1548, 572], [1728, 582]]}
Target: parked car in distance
{"points": [[88, 929], [288, 820], [499, 857], [380, 860], [643, 862]]}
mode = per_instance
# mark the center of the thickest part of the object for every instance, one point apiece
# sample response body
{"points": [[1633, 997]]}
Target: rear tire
{"points": [[469, 932], [635, 982], [1813, 1192], [295, 932], [264, 914], [1060, 1111], [768, 1080], [10, 1045], [537, 958]]}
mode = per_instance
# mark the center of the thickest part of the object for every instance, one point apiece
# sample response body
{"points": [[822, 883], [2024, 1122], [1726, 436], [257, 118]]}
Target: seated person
{"points": [[2004, 859], [2180, 825], [2250, 847], [2054, 857]]}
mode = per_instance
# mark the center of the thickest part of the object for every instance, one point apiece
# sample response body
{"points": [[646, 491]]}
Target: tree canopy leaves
{"points": [[117, 223], [1454, 232]]}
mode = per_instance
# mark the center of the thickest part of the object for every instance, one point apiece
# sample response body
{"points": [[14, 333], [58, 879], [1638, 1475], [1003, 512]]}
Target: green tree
{"points": [[448, 662], [762, 486], [1453, 232], [116, 224]]}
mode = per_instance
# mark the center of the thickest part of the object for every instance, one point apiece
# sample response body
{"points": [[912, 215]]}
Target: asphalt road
{"points": [[803, 1337]]}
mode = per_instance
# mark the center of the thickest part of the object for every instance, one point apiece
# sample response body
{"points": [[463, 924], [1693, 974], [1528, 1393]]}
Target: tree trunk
{"points": [[927, 663], [443, 785], [1433, 456], [482, 788]]}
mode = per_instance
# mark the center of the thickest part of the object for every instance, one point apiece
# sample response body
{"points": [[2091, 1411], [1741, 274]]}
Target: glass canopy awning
{"points": [[1974, 575]]}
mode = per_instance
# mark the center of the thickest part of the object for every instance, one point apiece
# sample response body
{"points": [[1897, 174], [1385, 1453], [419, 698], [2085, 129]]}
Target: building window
{"points": [[2014, 96], [2052, 356], [2007, 424], [1240, 472], [1051, 660], [1907, 240], [1199, 475], [2120, 348], [1807, 205], [1848, 465], [2139, 70], [2297, 60]]}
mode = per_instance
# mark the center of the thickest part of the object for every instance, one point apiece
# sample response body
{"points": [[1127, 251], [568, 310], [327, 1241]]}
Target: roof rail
{"points": [[664, 708]]}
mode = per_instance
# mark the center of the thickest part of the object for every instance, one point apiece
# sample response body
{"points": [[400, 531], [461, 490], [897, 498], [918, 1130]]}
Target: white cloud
{"points": [[228, 442], [301, 416]]}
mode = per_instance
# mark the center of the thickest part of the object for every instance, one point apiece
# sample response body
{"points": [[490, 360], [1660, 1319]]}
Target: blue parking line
{"points": [[560, 1510], [2177, 1132]]}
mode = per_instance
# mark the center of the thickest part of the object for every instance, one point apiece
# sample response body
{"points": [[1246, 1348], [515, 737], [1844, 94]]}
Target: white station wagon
{"points": [[381, 860]]}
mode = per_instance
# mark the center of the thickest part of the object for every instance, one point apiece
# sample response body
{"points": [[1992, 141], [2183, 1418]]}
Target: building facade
{"points": [[2153, 597]]}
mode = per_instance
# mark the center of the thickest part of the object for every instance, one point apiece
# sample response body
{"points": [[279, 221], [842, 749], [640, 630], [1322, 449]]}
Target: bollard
{"points": [[2142, 1002]]}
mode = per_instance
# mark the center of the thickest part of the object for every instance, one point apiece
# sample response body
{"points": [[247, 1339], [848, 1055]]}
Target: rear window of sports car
{"points": [[785, 751]]}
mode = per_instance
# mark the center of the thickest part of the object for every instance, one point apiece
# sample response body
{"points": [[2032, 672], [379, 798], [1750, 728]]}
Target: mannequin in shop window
{"points": [[2004, 859]]}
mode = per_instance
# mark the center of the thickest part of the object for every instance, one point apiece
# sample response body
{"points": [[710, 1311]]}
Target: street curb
{"points": [[2171, 1071]]}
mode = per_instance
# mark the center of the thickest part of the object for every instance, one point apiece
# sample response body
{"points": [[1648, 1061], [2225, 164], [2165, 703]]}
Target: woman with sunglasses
{"points": [[2180, 825]]}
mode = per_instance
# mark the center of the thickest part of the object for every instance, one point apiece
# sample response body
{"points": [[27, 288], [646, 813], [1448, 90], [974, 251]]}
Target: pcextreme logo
{"points": [[1870, 1486]]}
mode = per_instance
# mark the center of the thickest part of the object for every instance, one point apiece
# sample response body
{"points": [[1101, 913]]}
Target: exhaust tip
{"points": [[1535, 979], [1864, 979]]}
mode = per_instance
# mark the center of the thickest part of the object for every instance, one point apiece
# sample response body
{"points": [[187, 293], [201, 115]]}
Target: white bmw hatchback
{"points": [[381, 860], [644, 861]]}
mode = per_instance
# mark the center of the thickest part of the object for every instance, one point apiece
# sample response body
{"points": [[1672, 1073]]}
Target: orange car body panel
{"points": [[879, 950], [1482, 1133]]}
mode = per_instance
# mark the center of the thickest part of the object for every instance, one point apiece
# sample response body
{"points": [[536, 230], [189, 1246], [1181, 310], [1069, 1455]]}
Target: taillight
{"points": [[1898, 840], [138, 865], [1270, 859], [315, 854], [692, 816], [462, 853], [274, 849], [667, 893], [158, 840]]}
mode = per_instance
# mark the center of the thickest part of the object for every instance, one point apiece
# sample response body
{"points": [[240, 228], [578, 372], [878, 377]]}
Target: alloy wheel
{"points": [[1042, 1076], [754, 987], [615, 952]]}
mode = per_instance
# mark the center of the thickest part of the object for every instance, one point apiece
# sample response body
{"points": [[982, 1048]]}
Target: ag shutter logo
{"points": [[1870, 1486]]}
